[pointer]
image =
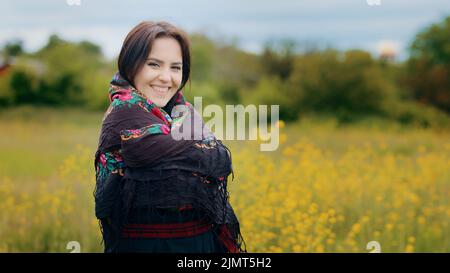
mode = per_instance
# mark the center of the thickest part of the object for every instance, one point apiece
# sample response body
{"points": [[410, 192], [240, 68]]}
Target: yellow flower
{"points": [[389, 226], [297, 248], [421, 220], [280, 124], [409, 249], [411, 239]]}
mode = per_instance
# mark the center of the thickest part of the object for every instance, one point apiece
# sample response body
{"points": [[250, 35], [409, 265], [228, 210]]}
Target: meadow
{"points": [[328, 188]]}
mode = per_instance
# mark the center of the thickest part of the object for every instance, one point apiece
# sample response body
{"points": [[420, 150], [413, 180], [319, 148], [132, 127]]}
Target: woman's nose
{"points": [[164, 75]]}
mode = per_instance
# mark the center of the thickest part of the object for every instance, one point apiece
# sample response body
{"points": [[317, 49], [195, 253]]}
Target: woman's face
{"points": [[161, 74]]}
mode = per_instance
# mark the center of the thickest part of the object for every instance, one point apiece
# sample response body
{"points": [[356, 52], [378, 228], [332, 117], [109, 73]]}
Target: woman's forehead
{"points": [[166, 50]]}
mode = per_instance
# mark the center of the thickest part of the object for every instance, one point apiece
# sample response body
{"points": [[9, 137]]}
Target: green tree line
{"points": [[303, 80]]}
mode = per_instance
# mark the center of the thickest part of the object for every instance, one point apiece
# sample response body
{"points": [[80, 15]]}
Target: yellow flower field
{"points": [[312, 200], [326, 189]]}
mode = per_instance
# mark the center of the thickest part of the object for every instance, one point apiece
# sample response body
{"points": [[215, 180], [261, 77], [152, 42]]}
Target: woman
{"points": [[154, 193]]}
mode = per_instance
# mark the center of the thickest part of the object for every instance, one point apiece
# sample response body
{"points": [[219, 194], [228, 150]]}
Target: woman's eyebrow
{"points": [[159, 61]]}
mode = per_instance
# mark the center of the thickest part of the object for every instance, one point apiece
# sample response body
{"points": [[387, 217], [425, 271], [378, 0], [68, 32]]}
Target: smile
{"points": [[160, 90]]}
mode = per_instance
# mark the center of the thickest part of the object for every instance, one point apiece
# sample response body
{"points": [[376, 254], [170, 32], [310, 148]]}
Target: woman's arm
{"points": [[147, 141]]}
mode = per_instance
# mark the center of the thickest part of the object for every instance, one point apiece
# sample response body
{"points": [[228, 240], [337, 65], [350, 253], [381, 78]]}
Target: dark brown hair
{"points": [[138, 44]]}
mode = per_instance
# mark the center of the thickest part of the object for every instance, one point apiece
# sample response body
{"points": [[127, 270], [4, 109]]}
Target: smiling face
{"points": [[161, 74]]}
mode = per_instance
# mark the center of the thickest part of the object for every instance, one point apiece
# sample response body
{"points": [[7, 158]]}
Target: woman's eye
{"points": [[153, 64], [176, 68]]}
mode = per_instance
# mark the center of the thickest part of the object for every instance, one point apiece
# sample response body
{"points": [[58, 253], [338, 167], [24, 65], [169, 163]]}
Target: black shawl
{"points": [[157, 171]]}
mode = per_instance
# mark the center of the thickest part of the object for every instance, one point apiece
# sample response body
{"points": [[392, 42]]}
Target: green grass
{"points": [[37, 140]]}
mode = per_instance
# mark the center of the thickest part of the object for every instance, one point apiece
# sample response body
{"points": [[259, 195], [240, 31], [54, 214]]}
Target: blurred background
{"points": [[364, 95]]}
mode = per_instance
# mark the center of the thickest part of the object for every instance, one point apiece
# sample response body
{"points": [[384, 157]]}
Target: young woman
{"points": [[155, 193]]}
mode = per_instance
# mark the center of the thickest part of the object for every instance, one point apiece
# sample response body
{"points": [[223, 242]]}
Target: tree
{"points": [[428, 68], [13, 48], [345, 84], [277, 59]]}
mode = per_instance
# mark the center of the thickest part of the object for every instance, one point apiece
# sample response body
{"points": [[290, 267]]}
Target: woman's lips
{"points": [[161, 91]]}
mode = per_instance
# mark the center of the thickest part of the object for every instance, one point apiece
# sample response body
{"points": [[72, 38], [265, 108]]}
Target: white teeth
{"points": [[160, 89]]}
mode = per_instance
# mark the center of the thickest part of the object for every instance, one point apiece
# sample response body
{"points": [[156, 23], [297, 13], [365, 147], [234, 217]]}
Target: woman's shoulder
{"points": [[127, 104], [128, 99]]}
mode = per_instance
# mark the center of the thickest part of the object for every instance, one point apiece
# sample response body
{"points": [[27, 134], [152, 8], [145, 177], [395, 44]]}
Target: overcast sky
{"points": [[340, 23]]}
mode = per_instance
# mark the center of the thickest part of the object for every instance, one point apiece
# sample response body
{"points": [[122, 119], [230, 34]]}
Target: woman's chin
{"points": [[160, 103]]}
